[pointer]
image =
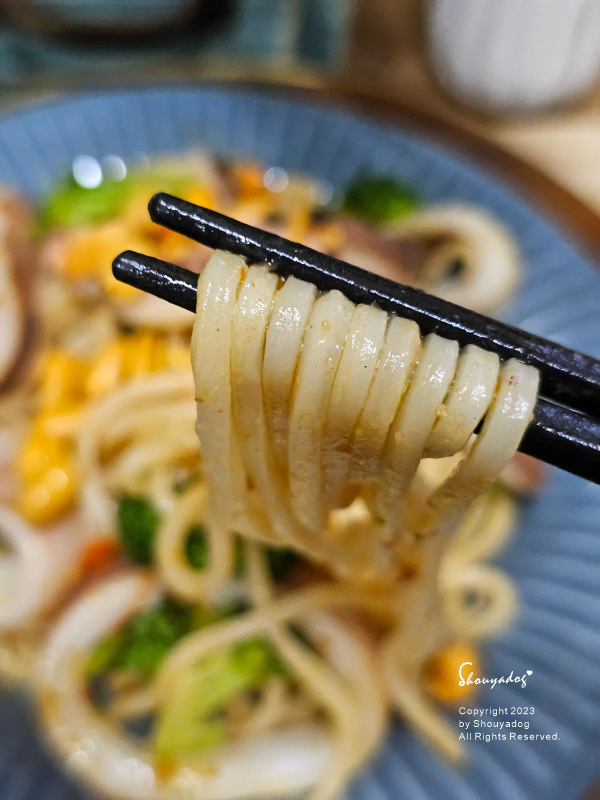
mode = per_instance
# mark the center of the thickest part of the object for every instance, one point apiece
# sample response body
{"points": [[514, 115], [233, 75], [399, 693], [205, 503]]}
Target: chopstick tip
{"points": [[156, 203], [125, 265]]}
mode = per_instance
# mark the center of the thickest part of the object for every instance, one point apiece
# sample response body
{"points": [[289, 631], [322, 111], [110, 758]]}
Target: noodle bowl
{"points": [[237, 614]]}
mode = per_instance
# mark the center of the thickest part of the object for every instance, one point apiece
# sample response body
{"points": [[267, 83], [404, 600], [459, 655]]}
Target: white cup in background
{"points": [[514, 55]]}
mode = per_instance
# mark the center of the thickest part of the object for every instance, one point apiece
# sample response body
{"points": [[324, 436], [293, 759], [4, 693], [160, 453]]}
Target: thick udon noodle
{"points": [[284, 455], [317, 421]]}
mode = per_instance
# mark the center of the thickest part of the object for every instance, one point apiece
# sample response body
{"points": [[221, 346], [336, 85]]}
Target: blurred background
{"points": [[522, 74]]}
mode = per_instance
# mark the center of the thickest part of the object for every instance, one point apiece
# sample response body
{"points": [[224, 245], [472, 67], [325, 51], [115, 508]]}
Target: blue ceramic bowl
{"points": [[555, 556]]}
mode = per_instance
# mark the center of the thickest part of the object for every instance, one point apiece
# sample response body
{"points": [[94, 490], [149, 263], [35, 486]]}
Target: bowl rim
{"points": [[575, 220]]}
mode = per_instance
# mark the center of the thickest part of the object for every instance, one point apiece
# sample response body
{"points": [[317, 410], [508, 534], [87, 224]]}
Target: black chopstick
{"points": [[567, 376], [558, 435], [561, 436]]}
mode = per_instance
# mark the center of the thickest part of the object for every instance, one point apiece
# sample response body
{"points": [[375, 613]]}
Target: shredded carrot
{"points": [[99, 554]]}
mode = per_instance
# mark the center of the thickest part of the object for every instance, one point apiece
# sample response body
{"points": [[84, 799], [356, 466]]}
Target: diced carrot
{"points": [[442, 672], [249, 179], [99, 554]]}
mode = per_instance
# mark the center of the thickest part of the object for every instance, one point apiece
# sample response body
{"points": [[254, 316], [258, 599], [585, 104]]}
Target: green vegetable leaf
{"points": [[138, 522], [378, 199], [192, 720], [72, 205]]}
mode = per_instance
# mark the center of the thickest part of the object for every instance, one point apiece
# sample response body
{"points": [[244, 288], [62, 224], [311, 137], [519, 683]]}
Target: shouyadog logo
{"points": [[518, 679]]}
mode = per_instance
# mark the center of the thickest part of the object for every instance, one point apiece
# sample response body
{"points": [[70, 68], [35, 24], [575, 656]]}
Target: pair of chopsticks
{"points": [[565, 430]]}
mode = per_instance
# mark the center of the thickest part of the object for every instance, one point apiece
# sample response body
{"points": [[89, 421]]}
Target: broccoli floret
{"points": [[197, 552], [138, 522], [196, 547], [378, 199], [143, 641], [191, 722], [150, 634]]}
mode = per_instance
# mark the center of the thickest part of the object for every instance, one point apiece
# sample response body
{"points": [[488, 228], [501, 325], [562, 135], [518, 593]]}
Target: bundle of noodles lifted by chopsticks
{"points": [[314, 415]]}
